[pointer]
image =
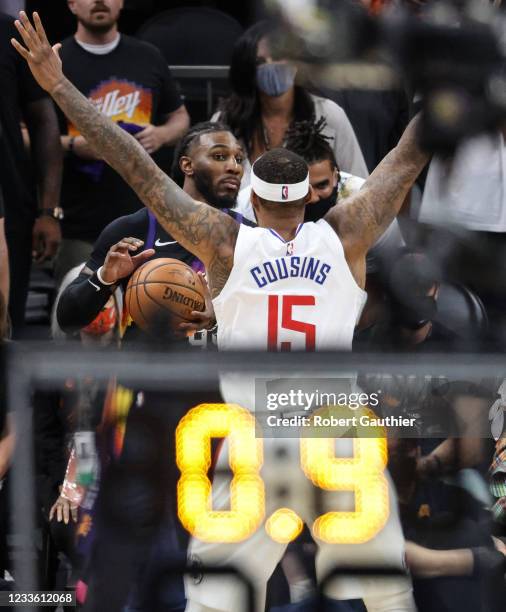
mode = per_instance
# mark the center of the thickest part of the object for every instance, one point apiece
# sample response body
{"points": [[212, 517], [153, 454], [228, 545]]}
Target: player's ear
{"points": [[71, 5], [186, 165]]}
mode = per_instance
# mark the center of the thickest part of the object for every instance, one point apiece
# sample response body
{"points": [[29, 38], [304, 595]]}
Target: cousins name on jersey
{"points": [[290, 267]]}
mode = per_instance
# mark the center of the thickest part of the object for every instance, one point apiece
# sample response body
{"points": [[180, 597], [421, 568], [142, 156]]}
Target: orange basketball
{"points": [[162, 293]]}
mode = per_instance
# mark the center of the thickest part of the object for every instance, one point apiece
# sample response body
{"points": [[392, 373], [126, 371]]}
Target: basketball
{"points": [[162, 293]]}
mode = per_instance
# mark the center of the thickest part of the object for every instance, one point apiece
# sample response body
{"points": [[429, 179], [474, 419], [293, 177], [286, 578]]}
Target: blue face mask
{"points": [[275, 79]]}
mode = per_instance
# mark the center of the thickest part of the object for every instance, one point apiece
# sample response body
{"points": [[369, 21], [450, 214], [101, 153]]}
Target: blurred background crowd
{"points": [[336, 83]]}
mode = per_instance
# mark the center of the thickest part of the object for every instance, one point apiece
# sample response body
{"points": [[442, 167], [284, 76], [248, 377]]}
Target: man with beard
{"points": [[129, 81], [208, 163]]}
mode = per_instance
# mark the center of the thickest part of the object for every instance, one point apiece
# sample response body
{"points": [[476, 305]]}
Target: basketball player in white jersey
{"points": [[297, 286]]}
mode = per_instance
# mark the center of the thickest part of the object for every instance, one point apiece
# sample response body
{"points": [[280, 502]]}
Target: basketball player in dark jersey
{"points": [[208, 165]]}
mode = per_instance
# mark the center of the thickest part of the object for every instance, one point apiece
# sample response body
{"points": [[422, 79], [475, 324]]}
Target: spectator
{"points": [[131, 83], [329, 184], [265, 102], [307, 139], [440, 516], [420, 312], [26, 235]]}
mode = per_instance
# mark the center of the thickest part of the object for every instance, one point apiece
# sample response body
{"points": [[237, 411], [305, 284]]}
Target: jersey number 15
{"points": [[287, 304]]}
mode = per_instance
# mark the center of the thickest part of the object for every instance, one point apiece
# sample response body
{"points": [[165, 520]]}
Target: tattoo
{"points": [[208, 233], [361, 219]]}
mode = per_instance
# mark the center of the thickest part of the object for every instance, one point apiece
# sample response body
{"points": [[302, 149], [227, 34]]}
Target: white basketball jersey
{"points": [[286, 296]]}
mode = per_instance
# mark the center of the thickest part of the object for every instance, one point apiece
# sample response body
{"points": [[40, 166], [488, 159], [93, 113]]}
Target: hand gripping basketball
{"points": [[120, 263]]}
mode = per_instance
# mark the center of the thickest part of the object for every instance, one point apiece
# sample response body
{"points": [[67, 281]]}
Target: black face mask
{"points": [[316, 211], [416, 314]]}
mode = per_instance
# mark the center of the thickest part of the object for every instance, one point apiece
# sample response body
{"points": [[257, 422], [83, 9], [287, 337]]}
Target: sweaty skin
{"points": [[206, 232]]}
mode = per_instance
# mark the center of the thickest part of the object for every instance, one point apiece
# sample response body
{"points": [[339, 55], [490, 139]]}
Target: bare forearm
{"points": [[366, 215], [392, 179], [46, 151], [428, 563]]}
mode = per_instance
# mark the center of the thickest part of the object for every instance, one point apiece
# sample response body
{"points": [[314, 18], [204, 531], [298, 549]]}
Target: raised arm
{"points": [[361, 219], [204, 231]]}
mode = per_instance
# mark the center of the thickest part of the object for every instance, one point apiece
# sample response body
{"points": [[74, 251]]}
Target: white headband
{"points": [[279, 192]]}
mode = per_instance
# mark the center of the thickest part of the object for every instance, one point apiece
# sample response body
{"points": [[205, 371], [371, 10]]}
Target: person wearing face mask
{"points": [[412, 319], [266, 101], [329, 186]]}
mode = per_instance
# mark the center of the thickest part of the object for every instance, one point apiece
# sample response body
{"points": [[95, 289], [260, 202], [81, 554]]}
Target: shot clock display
{"points": [[363, 474]]}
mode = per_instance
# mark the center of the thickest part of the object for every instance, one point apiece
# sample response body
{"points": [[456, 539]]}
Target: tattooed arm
{"points": [[204, 231], [361, 219]]}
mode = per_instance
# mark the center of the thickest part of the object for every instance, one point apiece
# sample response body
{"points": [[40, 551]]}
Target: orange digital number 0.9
{"points": [[363, 474], [193, 456]]}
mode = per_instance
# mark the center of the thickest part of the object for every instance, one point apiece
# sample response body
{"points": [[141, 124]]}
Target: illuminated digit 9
{"points": [[193, 456], [363, 474]]}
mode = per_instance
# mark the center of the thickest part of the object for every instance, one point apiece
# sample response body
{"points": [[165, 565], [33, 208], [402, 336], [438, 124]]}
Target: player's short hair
{"points": [[192, 137], [306, 138], [280, 167]]}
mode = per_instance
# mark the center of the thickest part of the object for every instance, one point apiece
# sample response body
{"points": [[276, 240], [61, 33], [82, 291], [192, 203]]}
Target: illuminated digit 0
{"points": [[363, 474], [193, 456]]}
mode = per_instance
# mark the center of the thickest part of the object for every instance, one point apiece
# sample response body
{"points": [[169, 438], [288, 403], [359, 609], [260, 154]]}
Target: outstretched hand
{"points": [[43, 59]]}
